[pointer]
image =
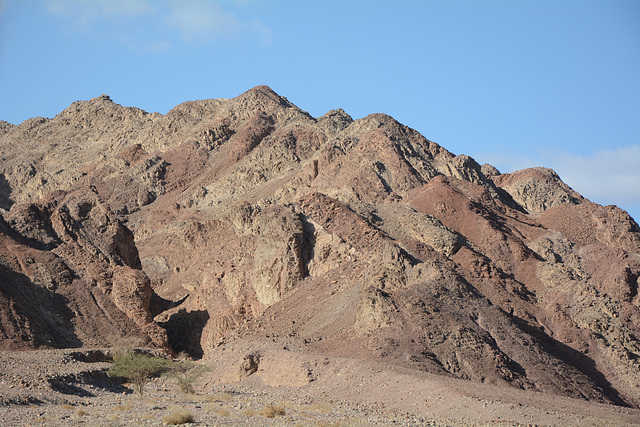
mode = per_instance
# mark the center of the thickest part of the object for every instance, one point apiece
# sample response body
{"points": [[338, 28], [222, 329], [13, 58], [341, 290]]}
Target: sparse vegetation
{"points": [[178, 416], [81, 412], [222, 411], [249, 412], [186, 373], [138, 368], [392, 258], [271, 411]]}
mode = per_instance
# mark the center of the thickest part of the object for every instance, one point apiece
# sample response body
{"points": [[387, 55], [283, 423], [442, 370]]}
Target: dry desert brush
{"points": [[178, 416], [186, 374], [270, 411]]}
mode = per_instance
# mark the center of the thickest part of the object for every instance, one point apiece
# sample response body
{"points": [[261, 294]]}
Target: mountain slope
{"points": [[248, 219]]}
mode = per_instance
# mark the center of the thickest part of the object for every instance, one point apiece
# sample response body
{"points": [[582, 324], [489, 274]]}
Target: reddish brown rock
{"points": [[247, 219]]}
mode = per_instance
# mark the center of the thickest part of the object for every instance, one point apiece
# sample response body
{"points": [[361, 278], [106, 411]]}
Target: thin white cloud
{"points": [[85, 13], [124, 21], [198, 20], [506, 160], [606, 176], [156, 25]]}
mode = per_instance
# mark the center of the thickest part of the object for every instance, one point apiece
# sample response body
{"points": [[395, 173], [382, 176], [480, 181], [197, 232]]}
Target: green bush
{"points": [[138, 368]]}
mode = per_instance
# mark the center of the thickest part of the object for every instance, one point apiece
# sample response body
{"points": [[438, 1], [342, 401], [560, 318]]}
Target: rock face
{"points": [[249, 219]]}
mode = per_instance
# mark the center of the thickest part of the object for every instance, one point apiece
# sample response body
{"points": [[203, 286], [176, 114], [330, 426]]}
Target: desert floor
{"points": [[70, 387]]}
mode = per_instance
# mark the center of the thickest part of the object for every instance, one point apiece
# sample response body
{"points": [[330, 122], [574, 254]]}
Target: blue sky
{"points": [[513, 83]]}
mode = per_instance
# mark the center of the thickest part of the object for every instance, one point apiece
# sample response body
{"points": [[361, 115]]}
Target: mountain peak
{"points": [[263, 89], [261, 96], [337, 237]]}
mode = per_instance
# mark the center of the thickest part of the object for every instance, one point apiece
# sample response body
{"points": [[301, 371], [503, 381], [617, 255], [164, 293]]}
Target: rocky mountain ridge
{"points": [[248, 220]]}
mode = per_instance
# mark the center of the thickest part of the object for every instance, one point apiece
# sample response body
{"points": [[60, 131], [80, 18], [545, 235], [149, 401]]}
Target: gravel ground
{"points": [[53, 387], [69, 388]]}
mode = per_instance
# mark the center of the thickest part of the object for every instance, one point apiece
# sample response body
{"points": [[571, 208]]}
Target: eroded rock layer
{"points": [[248, 218]]}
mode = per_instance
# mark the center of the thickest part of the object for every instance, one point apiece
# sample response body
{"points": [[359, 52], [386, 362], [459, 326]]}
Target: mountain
{"points": [[246, 220]]}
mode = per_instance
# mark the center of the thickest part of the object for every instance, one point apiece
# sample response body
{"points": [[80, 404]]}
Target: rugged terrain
{"points": [[230, 228]]}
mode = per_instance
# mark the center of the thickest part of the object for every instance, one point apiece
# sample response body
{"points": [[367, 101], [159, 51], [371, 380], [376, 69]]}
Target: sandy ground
{"points": [[70, 387]]}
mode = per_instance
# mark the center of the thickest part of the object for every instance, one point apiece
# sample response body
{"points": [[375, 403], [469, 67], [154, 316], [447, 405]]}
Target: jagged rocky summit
{"points": [[248, 220]]}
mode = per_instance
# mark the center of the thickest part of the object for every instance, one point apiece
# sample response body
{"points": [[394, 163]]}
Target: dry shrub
{"points": [[217, 409], [178, 416], [186, 374], [250, 412], [67, 406], [81, 412], [270, 411]]}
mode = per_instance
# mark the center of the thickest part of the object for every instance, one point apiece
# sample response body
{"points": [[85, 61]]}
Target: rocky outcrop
{"points": [[248, 218], [537, 189], [73, 275]]}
